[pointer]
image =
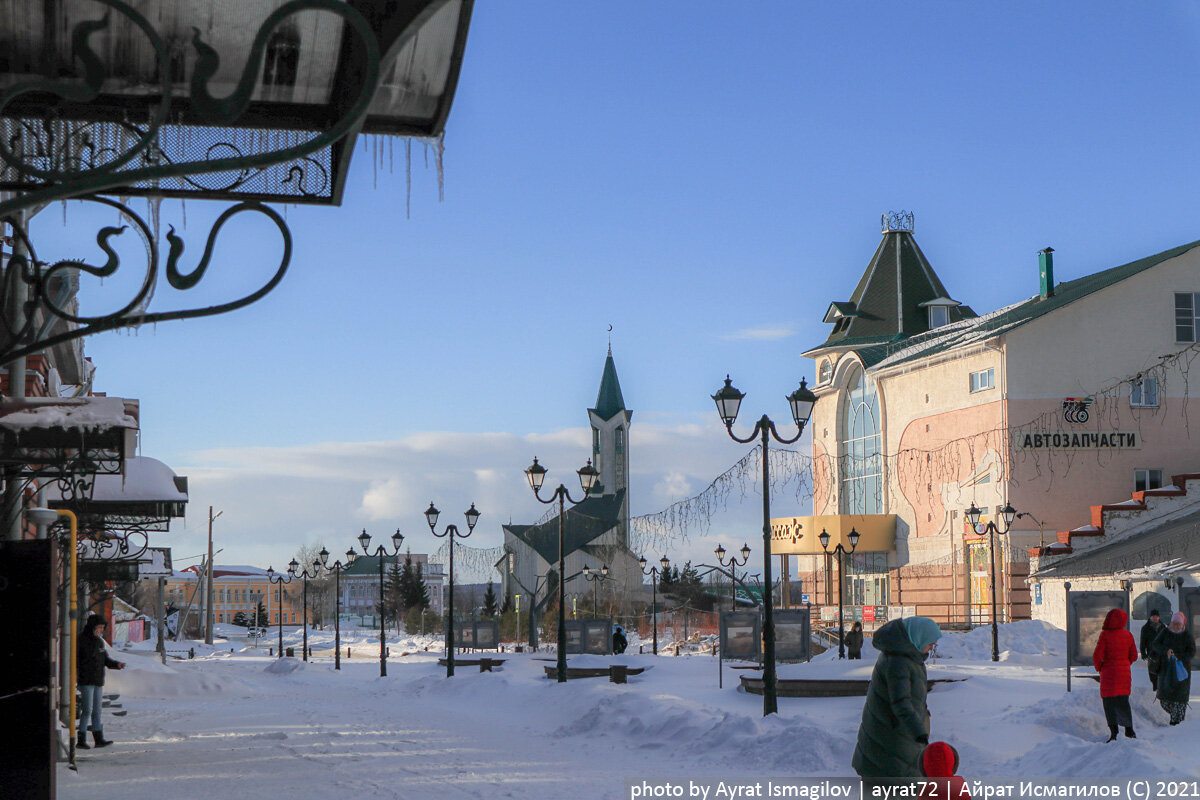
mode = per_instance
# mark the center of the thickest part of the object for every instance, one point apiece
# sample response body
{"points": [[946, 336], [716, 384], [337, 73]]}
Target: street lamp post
{"points": [[839, 551], [801, 401], [294, 569], [594, 576], [337, 569], [731, 565], [654, 572], [381, 552], [279, 580], [588, 476], [451, 532], [1008, 513]]}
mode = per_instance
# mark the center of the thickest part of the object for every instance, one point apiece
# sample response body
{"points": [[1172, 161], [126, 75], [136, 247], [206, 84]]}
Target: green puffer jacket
{"points": [[894, 729]]}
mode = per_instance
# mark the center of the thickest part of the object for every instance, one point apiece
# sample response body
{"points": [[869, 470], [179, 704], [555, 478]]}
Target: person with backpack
{"points": [[91, 659]]}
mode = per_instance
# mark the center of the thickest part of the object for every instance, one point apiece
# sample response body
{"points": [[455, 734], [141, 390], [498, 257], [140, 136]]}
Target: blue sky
{"points": [[703, 179]]}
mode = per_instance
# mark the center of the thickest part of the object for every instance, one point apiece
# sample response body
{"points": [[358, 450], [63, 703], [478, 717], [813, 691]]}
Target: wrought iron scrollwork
{"points": [[75, 175], [44, 284]]}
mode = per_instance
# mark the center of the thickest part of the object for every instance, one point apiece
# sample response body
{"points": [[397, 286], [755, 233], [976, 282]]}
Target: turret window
{"points": [[620, 440], [861, 466]]}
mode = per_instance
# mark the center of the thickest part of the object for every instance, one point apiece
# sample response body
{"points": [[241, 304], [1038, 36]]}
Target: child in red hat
{"points": [[940, 762]]}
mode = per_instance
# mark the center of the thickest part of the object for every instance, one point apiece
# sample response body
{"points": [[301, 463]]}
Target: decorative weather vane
{"points": [[897, 221]]}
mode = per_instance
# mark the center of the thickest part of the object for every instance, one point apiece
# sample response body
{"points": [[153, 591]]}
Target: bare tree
{"points": [[320, 589]]}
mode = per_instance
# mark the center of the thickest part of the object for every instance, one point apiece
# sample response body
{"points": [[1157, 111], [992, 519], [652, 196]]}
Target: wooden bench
{"points": [[485, 664], [617, 673], [816, 687]]}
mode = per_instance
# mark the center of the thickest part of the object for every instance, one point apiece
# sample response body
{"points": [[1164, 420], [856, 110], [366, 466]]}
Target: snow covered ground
{"points": [[238, 722]]}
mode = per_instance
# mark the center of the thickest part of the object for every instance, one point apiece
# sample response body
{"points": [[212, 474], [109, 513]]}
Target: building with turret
{"points": [[1076, 396]]}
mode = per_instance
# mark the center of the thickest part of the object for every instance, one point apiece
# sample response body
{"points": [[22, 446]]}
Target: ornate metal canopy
{"points": [[245, 100], [224, 99]]}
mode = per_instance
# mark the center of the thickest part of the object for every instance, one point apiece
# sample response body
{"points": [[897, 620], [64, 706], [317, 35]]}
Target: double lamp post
{"points": [[381, 552], [452, 532], [588, 475], [801, 402], [654, 573], [839, 551], [1008, 514]]}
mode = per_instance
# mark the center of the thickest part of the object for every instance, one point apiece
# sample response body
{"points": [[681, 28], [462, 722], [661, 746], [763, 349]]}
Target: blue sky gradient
{"points": [[704, 177]]}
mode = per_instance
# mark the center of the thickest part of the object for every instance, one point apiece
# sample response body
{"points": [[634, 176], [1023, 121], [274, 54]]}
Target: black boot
{"points": [[1129, 734], [98, 738], [1112, 734], [81, 742]]}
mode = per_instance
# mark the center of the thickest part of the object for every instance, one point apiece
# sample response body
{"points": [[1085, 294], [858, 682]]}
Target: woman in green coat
{"points": [[895, 719]]}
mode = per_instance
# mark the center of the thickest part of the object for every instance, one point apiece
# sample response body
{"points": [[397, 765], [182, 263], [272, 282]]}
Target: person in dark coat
{"points": [[619, 640], [1150, 632], [1174, 644], [854, 641], [91, 659], [895, 719], [1114, 655]]}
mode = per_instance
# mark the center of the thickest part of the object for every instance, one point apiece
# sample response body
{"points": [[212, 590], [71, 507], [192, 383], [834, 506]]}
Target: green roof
{"points": [[584, 523], [369, 565], [1006, 319], [887, 301], [609, 401]]}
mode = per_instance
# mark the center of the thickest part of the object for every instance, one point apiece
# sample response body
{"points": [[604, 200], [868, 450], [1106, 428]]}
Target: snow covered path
{"points": [[244, 722]]}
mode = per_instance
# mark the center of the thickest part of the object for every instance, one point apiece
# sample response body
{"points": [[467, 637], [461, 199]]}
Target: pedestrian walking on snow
{"points": [[1114, 655], [91, 661], [619, 640], [1175, 648], [1150, 632], [854, 641], [895, 718]]}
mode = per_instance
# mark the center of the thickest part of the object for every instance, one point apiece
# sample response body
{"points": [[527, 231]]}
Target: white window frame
{"points": [[1146, 476], [1139, 397], [982, 380], [1185, 315], [943, 313]]}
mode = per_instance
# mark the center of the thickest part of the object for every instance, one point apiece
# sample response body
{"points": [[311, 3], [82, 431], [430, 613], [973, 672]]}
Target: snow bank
{"points": [[1017, 640], [284, 666]]}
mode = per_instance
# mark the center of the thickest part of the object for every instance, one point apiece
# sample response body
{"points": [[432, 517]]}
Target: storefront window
{"points": [[866, 582]]}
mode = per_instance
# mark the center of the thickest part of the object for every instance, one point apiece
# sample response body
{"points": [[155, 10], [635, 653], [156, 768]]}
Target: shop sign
{"points": [[1071, 440], [1075, 409], [868, 614]]}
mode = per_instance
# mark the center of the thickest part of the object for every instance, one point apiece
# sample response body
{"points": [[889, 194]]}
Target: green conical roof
{"points": [[609, 401]]}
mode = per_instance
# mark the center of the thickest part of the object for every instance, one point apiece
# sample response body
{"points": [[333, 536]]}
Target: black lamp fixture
{"points": [[1008, 514], [381, 552], [536, 475], [839, 551], [654, 573], [800, 403], [451, 532]]}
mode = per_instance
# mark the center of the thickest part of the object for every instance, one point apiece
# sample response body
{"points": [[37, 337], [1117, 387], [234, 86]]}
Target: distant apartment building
{"points": [[360, 584], [235, 589]]}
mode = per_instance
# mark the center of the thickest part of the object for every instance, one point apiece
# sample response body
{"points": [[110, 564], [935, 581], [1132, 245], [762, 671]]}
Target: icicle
{"points": [[64, 206], [408, 178], [183, 210], [391, 159], [375, 161], [439, 151], [152, 205]]}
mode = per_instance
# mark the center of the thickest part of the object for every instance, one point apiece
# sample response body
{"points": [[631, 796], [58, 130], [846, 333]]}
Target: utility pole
{"points": [[208, 620]]}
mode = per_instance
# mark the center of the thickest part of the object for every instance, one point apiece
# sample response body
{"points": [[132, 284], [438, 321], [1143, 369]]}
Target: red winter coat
{"points": [[1115, 652]]}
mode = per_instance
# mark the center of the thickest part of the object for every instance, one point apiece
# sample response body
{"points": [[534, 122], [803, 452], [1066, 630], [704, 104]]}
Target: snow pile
{"points": [[1017, 640], [683, 727], [145, 676], [284, 666]]}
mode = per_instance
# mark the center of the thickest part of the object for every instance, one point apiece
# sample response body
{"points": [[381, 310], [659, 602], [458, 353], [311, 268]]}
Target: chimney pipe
{"points": [[1046, 271]]}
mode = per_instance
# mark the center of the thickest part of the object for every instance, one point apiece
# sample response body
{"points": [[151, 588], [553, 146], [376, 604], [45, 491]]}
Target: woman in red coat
{"points": [[1115, 653]]}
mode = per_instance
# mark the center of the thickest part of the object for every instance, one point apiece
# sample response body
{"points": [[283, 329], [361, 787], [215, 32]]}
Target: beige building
{"points": [[1075, 396]]}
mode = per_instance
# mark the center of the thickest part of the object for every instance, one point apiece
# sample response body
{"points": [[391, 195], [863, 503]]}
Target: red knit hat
{"points": [[940, 760]]}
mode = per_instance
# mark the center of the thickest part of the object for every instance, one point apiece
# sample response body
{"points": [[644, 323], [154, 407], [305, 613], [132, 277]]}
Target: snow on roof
{"points": [[82, 413], [220, 570], [145, 479]]}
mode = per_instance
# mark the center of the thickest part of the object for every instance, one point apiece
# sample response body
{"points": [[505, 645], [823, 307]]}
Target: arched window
{"points": [[858, 432]]}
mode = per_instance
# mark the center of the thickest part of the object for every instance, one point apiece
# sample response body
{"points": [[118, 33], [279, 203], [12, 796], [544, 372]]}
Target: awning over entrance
{"points": [[799, 535]]}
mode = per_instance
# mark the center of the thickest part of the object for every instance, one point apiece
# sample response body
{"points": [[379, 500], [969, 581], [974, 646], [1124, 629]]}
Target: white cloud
{"points": [[767, 333], [278, 498], [674, 486]]}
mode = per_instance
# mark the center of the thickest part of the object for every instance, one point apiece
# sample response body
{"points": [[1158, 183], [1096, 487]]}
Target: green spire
{"points": [[609, 401]]}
